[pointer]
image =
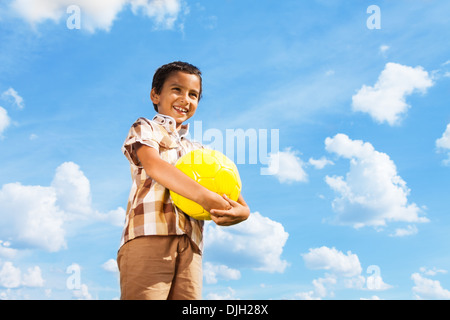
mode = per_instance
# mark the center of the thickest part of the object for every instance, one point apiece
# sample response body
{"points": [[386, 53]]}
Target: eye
{"points": [[194, 95]]}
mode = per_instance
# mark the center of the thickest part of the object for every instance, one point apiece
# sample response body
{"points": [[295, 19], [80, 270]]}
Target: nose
{"points": [[184, 97]]}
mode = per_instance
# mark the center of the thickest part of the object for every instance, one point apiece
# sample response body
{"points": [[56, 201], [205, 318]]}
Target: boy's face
{"points": [[178, 97]]}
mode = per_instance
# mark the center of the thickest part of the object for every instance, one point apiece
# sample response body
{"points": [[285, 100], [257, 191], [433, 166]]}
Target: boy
{"points": [[160, 252]]}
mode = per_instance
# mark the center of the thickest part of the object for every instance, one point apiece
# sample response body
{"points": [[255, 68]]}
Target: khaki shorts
{"points": [[160, 268]]}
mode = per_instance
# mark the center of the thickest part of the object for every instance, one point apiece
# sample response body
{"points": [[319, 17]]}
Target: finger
{"points": [[223, 222], [218, 220], [219, 213], [214, 218], [231, 202]]}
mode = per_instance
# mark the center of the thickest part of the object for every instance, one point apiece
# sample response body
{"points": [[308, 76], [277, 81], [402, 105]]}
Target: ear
{"points": [[154, 96]]}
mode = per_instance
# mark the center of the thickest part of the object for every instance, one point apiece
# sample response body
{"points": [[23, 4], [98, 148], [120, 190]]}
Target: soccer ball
{"points": [[214, 171]]}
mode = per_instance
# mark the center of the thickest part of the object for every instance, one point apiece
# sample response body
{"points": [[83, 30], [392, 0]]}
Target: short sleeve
{"points": [[143, 132]]}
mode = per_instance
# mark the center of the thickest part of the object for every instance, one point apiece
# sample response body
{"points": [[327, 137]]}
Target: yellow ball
{"points": [[214, 171]]}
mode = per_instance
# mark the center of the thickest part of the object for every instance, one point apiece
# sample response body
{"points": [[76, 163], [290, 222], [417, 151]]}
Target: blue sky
{"points": [[358, 207]]}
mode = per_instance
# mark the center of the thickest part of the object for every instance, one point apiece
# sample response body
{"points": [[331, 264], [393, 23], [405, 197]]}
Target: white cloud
{"points": [[99, 14], [37, 221], [343, 270], [165, 12], [82, 293], [321, 290], [17, 99], [333, 260], [372, 193], [229, 294], [42, 214], [4, 120], [72, 189], [256, 243], [425, 288], [383, 49], [111, 266], [371, 298], [115, 217], [408, 231], [385, 101], [442, 143], [432, 272], [6, 251], [286, 166], [213, 272], [33, 278], [320, 163], [11, 276], [375, 281]]}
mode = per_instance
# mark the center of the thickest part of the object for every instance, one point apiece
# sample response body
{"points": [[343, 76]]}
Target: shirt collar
{"points": [[170, 124]]}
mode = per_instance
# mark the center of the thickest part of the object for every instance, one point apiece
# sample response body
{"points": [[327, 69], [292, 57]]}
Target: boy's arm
{"points": [[239, 212], [173, 179]]}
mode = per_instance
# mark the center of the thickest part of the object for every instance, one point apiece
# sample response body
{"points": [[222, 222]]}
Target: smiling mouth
{"points": [[181, 109]]}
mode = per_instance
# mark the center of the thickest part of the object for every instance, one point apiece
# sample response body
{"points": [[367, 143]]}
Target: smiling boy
{"points": [[161, 247]]}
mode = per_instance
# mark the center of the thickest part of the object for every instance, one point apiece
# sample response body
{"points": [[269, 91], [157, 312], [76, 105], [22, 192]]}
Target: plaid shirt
{"points": [[150, 210]]}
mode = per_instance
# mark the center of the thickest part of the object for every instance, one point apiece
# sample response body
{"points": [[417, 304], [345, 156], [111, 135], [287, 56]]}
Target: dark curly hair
{"points": [[166, 70]]}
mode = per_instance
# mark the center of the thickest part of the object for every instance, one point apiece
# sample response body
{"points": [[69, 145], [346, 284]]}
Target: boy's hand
{"points": [[238, 212], [213, 200]]}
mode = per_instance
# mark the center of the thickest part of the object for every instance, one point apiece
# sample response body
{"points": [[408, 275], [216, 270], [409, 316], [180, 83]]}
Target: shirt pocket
{"points": [[168, 150]]}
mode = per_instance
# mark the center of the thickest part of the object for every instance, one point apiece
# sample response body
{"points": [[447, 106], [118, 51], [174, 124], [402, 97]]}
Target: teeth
{"points": [[181, 109]]}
